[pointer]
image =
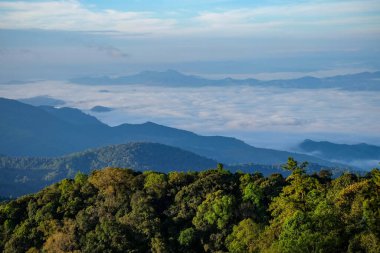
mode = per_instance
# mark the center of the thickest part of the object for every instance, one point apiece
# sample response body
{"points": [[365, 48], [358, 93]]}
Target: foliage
{"points": [[215, 210], [120, 210], [243, 237], [186, 236]]}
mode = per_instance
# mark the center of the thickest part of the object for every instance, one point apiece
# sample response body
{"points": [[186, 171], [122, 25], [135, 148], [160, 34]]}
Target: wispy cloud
{"points": [[299, 18], [73, 16], [308, 17]]}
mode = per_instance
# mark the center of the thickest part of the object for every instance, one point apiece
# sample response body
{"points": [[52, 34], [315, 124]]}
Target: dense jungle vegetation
{"points": [[120, 210]]}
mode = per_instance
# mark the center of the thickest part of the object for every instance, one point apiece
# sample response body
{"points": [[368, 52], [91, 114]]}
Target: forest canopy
{"points": [[121, 210]]}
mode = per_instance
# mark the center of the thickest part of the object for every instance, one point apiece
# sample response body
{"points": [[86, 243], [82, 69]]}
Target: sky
{"points": [[63, 39], [51, 42]]}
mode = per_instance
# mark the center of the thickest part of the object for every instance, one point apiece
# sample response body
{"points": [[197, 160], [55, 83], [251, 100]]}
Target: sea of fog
{"points": [[264, 117]]}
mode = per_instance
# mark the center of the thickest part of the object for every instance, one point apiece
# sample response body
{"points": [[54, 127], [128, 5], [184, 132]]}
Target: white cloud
{"points": [[301, 18], [215, 110], [72, 16]]}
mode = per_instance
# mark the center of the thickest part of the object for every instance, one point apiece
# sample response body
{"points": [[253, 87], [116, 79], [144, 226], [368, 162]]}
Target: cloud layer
{"points": [[239, 111]]}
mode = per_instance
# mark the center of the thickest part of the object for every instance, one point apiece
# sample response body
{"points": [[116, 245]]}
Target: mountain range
{"points": [[22, 175], [361, 81], [341, 152], [41, 145], [27, 130]]}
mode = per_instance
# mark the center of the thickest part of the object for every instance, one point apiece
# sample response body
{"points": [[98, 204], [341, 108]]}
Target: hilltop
{"points": [[23, 175]]}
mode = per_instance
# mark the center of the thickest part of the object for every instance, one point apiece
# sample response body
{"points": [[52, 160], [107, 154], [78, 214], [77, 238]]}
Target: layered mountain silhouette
{"points": [[341, 152], [22, 175], [360, 81], [27, 130]]}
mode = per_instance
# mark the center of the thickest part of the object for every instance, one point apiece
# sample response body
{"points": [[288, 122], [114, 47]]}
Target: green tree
{"points": [[156, 183], [215, 210], [186, 237], [243, 237]]}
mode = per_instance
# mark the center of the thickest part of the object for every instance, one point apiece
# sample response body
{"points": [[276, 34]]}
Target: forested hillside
{"points": [[120, 210], [23, 175]]}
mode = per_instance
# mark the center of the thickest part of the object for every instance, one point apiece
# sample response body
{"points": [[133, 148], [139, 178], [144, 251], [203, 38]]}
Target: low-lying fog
{"points": [[264, 117]]}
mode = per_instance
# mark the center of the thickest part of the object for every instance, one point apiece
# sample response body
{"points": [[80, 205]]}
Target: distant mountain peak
{"points": [[353, 154], [174, 78], [151, 123]]}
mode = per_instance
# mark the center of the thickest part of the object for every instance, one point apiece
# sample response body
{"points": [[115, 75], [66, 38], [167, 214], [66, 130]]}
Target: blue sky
{"points": [[62, 39]]}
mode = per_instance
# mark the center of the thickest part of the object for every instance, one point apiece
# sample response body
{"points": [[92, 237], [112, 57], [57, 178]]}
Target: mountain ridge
{"points": [[26, 137], [25, 175], [342, 152], [173, 78], [22, 175]]}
